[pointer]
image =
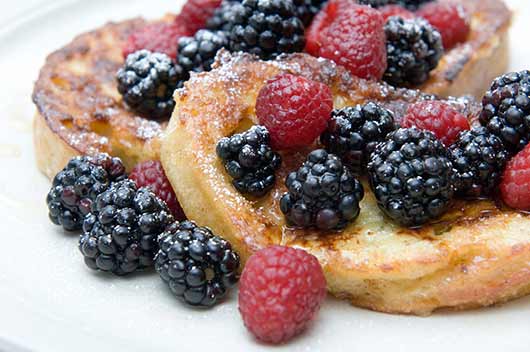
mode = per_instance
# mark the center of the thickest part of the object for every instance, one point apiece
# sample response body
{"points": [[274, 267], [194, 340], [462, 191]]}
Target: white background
{"points": [[50, 302]]}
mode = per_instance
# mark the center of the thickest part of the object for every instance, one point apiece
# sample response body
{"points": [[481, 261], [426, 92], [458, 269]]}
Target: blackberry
{"points": [[77, 186], [197, 53], [198, 266], [411, 176], [353, 132], [506, 109], [322, 193], [223, 17], [120, 234], [147, 82], [414, 48], [266, 28], [307, 9], [250, 161], [479, 158]]}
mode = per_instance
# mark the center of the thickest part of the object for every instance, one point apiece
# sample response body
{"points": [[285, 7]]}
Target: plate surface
{"points": [[49, 300]]}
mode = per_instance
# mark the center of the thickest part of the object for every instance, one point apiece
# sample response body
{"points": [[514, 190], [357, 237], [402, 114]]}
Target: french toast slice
{"points": [[79, 110], [478, 254]]}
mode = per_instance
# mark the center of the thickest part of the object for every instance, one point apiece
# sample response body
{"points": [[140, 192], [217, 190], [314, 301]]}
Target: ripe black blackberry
{"points": [[120, 234], [506, 110], [147, 82], [197, 53], [77, 186], [479, 158], [266, 28], [250, 161], [322, 193], [307, 9], [411, 176], [353, 132], [414, 48], [198, 266]]}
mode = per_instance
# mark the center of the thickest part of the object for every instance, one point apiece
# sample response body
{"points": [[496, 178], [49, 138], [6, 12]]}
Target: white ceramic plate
{"points": [[49, 300]]}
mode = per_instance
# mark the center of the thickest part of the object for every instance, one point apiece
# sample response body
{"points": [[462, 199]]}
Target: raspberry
{"points": [[450, 19], [515, 185], [395, 10], [151, 174], [280, 292], [294, 109], [195, 13], [156, 37], [352, 36], [438, 117]]}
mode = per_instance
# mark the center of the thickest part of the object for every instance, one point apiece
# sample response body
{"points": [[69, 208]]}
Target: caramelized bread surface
{"points": [[478, 254]]}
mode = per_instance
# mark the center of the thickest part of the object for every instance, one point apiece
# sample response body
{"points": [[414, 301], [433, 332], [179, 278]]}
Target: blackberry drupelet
{"points": [[77, 186], [506, 110], [197, 53], [198, 266], [414, 48], [307, 9], [322, 194], [223, 17], [479, 158], [411, 176], [266, 28], [250, 161], [147, 82], [120, 234], [353, 132]]}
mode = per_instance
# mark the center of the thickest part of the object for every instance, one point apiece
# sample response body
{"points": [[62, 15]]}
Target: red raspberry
{"points": [[438, 117], [515, 184], [280, 292], [151, 174], [294, 109], [395, 10], [351, 35], [450, 19], [156, 37], [195, 13]]}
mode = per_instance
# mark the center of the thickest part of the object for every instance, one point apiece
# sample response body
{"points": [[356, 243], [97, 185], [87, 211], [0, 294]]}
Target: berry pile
{"points": [[322, 193], [250, 161], [198, 266]]}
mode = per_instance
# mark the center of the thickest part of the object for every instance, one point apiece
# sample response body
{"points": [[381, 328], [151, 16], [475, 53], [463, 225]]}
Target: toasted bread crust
{"points": [[477, 254], [77, 99]]}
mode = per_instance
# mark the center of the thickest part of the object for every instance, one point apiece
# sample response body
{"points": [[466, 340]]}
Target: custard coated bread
{"points": [[79, 109], [476, 255]]}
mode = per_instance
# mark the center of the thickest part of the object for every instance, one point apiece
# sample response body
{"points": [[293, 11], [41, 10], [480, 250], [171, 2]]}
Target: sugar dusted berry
{"points": [[280, 293], [294, 109], [450, 19], [156, 37]]}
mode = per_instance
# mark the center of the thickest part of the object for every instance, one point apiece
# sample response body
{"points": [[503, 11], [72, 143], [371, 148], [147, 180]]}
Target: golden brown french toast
{"points": [[79, 110], [476, 255]]}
